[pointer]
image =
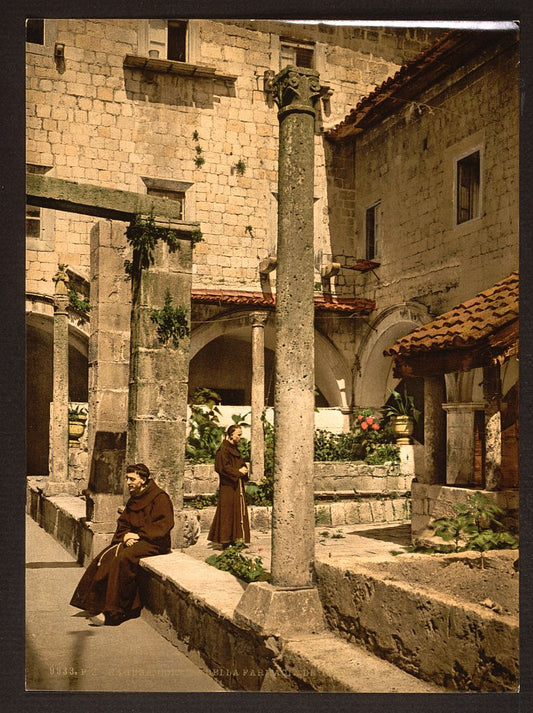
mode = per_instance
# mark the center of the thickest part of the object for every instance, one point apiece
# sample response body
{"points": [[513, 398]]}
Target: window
{"points": [[33, 222], [34, 213], [373, 231], [468, 179], [168, 38], [35, 31], [300, 54], [178, 196]]}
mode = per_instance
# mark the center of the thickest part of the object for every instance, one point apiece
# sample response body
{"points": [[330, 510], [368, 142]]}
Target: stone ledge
{"points": [[191, 604]]}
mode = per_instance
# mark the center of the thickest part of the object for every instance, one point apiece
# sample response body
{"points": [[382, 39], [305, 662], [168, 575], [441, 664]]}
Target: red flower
{"points": [[375, 426], [360, 417], [364, 425], [369, 420]]}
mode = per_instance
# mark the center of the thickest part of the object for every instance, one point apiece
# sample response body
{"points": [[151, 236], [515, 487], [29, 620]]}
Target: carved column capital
{"points": [[296, 89], [258, 319]]}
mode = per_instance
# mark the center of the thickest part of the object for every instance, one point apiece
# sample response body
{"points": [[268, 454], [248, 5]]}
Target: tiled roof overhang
{"points": [[478, 332], [448, 53], [235, 298]]}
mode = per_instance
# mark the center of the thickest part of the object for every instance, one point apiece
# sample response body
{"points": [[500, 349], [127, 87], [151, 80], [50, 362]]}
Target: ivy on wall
{"points": [[172, 323]]}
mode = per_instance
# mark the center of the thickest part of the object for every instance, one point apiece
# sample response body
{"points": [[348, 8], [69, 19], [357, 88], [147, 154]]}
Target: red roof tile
{"points": [[490, 317], [446, 54], [259, 299]]}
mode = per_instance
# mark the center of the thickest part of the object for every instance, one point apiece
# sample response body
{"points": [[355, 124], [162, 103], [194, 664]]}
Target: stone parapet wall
{"points": [[457, 645], [342, 477]]}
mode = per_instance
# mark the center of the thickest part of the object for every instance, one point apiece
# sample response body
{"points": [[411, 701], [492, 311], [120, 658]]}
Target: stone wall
{"points": [[408, 161], [94, 120]]}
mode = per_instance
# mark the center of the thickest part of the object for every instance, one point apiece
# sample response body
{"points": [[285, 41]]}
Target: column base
{"points": [[270, 610]]}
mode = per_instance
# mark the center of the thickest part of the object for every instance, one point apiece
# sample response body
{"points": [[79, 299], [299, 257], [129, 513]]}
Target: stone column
{"points": [[434, 431], [109, 345], [257, 437], [492, 391], [58, 478], [460, 442], [157, 410], [291, 603]]}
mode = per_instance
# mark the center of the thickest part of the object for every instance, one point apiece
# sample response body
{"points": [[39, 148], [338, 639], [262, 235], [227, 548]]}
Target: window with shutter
{"points": [[468, 180]]}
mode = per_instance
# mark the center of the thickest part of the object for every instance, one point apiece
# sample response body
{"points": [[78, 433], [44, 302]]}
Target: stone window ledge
{"points": [[170, 66]]}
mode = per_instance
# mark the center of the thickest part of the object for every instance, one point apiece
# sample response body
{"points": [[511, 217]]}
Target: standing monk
{"points": [[108, 590], [231, 517]]}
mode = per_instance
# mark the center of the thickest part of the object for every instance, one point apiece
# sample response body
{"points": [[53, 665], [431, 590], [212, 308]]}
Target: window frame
{"points": [[474, 207], [376, 209], [295, 45]]}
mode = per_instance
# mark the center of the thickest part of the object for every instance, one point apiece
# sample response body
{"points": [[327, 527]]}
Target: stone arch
{"points": [[332, 374], [39, 380], [374, 378]]}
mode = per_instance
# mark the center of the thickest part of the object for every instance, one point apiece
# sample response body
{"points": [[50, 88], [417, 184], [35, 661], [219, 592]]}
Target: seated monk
{"points": [[108, 589]]}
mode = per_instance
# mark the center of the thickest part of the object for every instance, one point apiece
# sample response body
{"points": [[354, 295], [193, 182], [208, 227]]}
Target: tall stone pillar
{"points": [[109, 345], [258, 320], [492, 391], [434, 431], [159, 372], [291, 603], [58, 478]]}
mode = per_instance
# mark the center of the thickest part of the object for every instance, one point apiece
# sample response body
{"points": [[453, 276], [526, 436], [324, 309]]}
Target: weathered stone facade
{"points": [[96, 116]]}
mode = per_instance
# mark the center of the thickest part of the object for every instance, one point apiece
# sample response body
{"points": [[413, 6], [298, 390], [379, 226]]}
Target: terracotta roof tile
{"points": [[259, 299], [481, 318], [449, 51]]}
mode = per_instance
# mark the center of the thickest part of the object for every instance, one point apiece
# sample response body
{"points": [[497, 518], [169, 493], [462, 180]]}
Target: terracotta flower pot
{"points": [[402, 427]]}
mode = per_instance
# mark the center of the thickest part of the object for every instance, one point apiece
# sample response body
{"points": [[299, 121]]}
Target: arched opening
{"points": [[39, 385], [220, 359]]}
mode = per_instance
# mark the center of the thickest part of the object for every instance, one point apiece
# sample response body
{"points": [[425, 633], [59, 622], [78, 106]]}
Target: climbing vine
{"points": [[172, 322], [80, 305]]}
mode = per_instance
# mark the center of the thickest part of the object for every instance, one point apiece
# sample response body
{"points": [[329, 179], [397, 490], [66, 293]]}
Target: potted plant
{"points": [[403, 415], [77, 418]]}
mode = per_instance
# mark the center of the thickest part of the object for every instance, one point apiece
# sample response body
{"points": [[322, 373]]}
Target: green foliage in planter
{"points": [[77, 413], [475, 526], [403, 405], [232, 560], [172, 323]]}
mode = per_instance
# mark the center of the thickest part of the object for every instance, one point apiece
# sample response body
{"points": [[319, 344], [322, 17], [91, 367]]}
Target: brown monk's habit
{"points": [[109, 584], [231, 517]]}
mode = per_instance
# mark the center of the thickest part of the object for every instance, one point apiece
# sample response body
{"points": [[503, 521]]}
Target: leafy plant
{"points": [[172, 323], [143, 235], [205, 433], [77, 413], [403, 405], [203, 501], [195, 135], [196, 236], [475, 526], [81, 306], [232, 560], [367, 441], [262, 493], [240, 167]]}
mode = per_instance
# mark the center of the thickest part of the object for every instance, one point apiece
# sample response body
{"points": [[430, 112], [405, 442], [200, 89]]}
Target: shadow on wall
{"points": [[175, 91]]}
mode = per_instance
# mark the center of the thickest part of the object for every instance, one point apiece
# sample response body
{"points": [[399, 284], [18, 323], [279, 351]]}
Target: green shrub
{"points": [[232, 560]]}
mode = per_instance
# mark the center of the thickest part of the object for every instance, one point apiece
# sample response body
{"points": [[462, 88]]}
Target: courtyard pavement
{"points": [[64, 653]]}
